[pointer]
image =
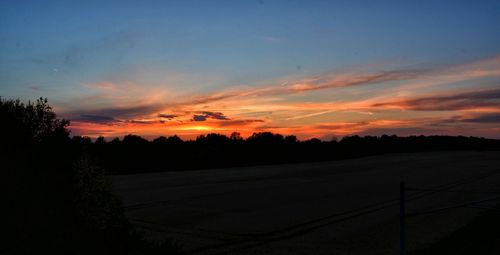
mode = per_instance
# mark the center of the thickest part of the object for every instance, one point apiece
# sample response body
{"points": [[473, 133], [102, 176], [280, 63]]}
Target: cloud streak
{"points": [[455, 101], [484, 118], [307, 107], [203, 116], [96, 119], [167, 116], [311, 84]]}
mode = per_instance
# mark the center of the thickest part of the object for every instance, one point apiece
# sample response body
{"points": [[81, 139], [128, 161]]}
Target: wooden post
{"points": [[402, 227]]}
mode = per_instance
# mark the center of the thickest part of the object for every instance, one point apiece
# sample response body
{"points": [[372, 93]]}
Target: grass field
{"points": [[340, 207], [480, 237]]}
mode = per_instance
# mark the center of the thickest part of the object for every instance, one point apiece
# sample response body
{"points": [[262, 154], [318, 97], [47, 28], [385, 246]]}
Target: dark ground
{"points": [[480, 237], [340, 207]]}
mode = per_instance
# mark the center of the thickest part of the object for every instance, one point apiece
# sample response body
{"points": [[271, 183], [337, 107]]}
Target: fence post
{"points": [[402, 227]]}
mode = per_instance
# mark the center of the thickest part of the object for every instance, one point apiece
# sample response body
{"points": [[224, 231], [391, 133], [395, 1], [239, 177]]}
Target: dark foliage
{"points": [[57, 200], [134, 154]]}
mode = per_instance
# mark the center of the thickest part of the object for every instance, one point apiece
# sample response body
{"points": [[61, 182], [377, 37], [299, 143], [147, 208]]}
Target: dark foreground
{"points": [[341, 207]]}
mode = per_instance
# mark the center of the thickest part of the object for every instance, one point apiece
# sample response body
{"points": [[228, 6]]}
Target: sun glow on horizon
{"points": [[197, 128]]}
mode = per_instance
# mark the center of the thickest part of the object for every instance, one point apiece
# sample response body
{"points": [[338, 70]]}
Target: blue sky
{"points": [[61, 49]]}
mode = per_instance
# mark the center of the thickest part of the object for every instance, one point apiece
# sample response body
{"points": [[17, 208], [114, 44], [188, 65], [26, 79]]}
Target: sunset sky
{"points": [[309, 68]]}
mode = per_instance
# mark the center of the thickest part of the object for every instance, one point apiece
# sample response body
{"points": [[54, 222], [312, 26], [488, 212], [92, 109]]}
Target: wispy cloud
{"points": [[125, 112], [310, 84], [96, 119], [202, 116], [167, 116], [287, 106], [309, 115], [448, 102], [484, 118]]}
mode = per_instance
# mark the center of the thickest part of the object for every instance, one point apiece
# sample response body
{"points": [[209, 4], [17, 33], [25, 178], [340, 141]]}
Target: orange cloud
{"points": [[119, 109]]}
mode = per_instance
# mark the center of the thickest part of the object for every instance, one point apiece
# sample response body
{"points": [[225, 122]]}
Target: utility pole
{"points": [[402, 227]]}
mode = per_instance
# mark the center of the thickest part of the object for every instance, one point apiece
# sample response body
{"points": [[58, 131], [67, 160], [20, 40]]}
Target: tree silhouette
{"points": [[135, 154], [58, 200], [30, 123]]}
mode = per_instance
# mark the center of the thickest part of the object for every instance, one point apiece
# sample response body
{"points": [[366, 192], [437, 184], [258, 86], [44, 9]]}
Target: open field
{"points": [[339, 207]]}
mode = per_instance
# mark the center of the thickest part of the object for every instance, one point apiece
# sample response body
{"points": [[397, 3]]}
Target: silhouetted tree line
{"points": [[134, 154], [55, 198]]}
